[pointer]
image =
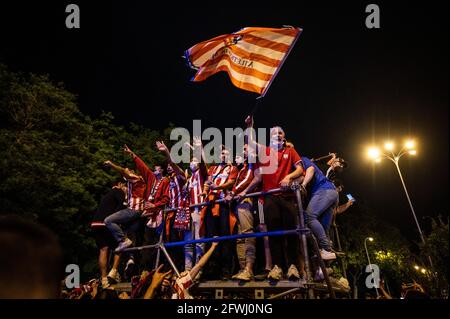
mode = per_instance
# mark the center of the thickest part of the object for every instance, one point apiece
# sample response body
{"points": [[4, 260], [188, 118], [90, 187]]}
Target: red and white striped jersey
{"points": [[195, 184], [176, 184], [220, 175], [181, 285], [136, 189]]}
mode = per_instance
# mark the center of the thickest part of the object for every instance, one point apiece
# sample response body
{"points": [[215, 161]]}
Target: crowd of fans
{"points": [[148, 206]]}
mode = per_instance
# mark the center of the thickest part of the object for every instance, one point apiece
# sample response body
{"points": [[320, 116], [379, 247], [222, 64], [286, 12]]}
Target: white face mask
{"points": [[277, 144], [239, 160], [193, 167]]}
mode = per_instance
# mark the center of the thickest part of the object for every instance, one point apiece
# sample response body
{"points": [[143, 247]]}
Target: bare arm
{"points": [[194, 271], [342, 208], [157, 280], [308, 176], [123, 171], [227, 185], [291, 176], [251, 139], [255, 182], [163, 148]]}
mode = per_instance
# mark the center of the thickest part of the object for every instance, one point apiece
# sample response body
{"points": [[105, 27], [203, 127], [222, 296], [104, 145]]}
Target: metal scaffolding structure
{"points": [[305, 285]]}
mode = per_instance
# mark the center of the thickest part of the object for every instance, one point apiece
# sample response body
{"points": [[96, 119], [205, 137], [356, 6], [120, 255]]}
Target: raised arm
{"points": [[342, 208], [125, 172], [163, 148], [157, 280], [198, 266], [143, 169], [197, 144]]}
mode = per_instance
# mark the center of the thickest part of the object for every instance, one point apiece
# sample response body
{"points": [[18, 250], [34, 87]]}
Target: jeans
{"points": [[123, 216], [321, 206], [190, 259]]}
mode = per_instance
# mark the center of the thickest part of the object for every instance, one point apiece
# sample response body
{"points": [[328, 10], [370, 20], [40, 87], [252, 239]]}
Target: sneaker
{"points": [[275, 274], [105, 282], [319, 274], [244, 275], [293, 273], [130, 268], [327, 255], [123, 244], [344, 283], [235, 276], [114, 276], [262, 276]]}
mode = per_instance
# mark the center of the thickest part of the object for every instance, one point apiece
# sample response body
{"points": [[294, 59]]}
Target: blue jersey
{"points": [[319, 181]]}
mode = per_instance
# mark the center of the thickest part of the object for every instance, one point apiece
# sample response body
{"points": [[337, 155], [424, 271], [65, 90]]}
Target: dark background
{"points": [[342, 88]]}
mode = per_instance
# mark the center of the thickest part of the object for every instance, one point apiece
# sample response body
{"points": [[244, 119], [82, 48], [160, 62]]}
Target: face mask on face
{"points": [[193, 167]]}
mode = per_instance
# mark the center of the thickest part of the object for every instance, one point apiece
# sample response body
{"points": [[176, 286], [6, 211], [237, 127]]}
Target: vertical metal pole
{"points": [[396, 162], [158, 252], [163, 248], [409, 200], [302, 235], [338, 240]]}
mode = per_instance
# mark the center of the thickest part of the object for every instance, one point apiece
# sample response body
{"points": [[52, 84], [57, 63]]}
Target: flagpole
{"points": [[281, 64]]}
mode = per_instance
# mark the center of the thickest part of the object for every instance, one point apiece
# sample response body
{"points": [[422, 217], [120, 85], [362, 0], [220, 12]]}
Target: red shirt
{"points": [[159, 188], [286, 158], [176, 183], [195, 184], [244, 178], [220, 175], [136, 188]]}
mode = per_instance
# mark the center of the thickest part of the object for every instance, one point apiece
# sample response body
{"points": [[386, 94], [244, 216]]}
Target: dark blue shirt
{"points": [[319, 180]]}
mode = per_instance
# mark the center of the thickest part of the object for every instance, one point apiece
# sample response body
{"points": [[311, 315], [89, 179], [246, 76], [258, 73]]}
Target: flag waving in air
{"points": [[252, 56]]}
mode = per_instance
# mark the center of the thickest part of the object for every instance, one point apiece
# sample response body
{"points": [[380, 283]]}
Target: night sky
{"points": [[342, 88]]}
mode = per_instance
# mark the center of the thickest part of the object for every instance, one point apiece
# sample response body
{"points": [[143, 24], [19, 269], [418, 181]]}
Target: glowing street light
{"points": [[374, 153], [410, 144], [409, 148], [389, 146]]}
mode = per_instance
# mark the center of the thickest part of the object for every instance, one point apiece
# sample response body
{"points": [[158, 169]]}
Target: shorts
{"points": [[103, 237]]}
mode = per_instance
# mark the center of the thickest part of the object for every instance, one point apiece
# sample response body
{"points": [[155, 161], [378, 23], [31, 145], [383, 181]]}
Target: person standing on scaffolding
{"points": [[319, 212], [156, 197], [194, 189], [245, 248], [221, 179], [177, 221], [280, 210]]}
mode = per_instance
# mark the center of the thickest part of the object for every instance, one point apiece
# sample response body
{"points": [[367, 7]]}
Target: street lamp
{"points": [[408, 148], [368, 259]]}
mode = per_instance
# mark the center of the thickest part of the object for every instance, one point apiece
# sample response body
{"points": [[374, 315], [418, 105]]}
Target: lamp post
{"points": [[368, 259], [389, 154]]}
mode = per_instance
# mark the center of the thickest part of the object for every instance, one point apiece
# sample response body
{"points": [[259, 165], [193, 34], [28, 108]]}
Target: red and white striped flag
{"points": [[251, 56]]}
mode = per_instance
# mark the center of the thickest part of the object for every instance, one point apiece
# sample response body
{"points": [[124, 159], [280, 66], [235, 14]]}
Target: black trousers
{"points": [[281, 213], [220, 226]]}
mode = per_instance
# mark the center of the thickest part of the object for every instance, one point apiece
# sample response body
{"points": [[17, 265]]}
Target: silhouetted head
{"points": [[31, 264]]}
